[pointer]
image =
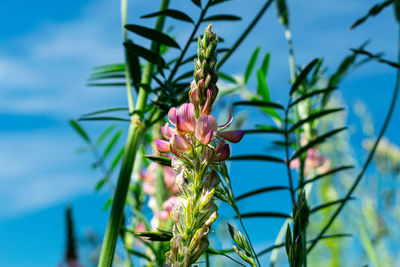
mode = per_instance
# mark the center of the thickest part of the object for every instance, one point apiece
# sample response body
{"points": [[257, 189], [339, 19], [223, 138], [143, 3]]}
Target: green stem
{"points": [[136, 132], [128, 78], [292, 65]]}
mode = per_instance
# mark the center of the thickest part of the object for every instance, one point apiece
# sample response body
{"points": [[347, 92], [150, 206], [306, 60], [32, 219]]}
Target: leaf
{"points": [[112, 142], [222, 17], [263, 214], [79, 130], [374, 10], [376, 57], [103, 119], [226, 77], [261, 190], [117, 158], [134, 67], [329, 204], [105, 111], [106, 84], [303, 75], [100, 183], [214, 251], [105, 133], [156, 236], [257, 157], [173, 13], [262, 87], [109, 68], [160, 160], [138, 254], [397, 10], [330, 172], [184, 76], [265, 64], [316, 141], [216, 2], [271, 130], [95, 77], [311, 94], [259, 104], [107, 204], [197, 2], [314, 116], [251, 64], [153, 35], [145, 53]]}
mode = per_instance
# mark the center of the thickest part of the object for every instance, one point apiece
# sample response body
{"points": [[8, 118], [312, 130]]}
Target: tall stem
{"points": [[136, 132]]}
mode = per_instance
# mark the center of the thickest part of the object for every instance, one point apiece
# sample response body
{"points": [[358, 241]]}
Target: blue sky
{"points": [[47, 51]]}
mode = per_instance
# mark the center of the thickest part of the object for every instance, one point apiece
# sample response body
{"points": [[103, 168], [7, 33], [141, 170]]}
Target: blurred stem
{"points": [[128, 78], [292, 65], [136, 132], [370, 156]]}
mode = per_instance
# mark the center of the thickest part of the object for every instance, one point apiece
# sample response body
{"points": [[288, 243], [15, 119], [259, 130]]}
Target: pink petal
{"points": [[204, 125], [172, 115], [181, 143], [207, 138], [167, 131], [163, 215], [222, 152], [207, 106], [187, 118], [232, 136], [162, 146], [170, 203], [228, 123]]}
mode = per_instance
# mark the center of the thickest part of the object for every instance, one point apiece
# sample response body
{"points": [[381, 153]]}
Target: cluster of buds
{"points": [[294, 244], [198, 145]]}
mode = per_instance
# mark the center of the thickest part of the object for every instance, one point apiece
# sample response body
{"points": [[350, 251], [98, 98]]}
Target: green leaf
{"points": [[134, 67], [311, 94], [257, 157], [329, 204], [216, 2], [117, 158], [106, 84], [265, 64], [397, 10], [251, 64], [226, 77], [184, 76], [95, 77], [107, 204], [303, 75], [105, 133], [283, 13], [316, 141], [261, 190], [109, 68], [271, 130], [214, 251], [160, 160], [139, 254], [265, 214], [328, 173], [145, 53], [75, 125], [314, 116], [197, 2], [105, 111], [101, 183], [262, 87], [112, 143], [374, 10], [259, 104], [222, 17], [376, 57], [103, 119], [173, 13], [153, 35], [156, 236]]}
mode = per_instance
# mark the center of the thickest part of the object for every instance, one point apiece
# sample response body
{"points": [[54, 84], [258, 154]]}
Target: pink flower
{"points": [[222, 151], [162, 146], [170, 203], [163, 215], [183, 118], [206, 125]]}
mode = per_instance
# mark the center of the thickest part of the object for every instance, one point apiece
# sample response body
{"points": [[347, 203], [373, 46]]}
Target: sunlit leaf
{"points": [[105, 111], [265, 65], [101, 183], [311, 94], [112, 143], [328, 173], [226, 77], [314, 116], [117, 158], [105, 133], [329, 204], [103, 119], [251, 64]]}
